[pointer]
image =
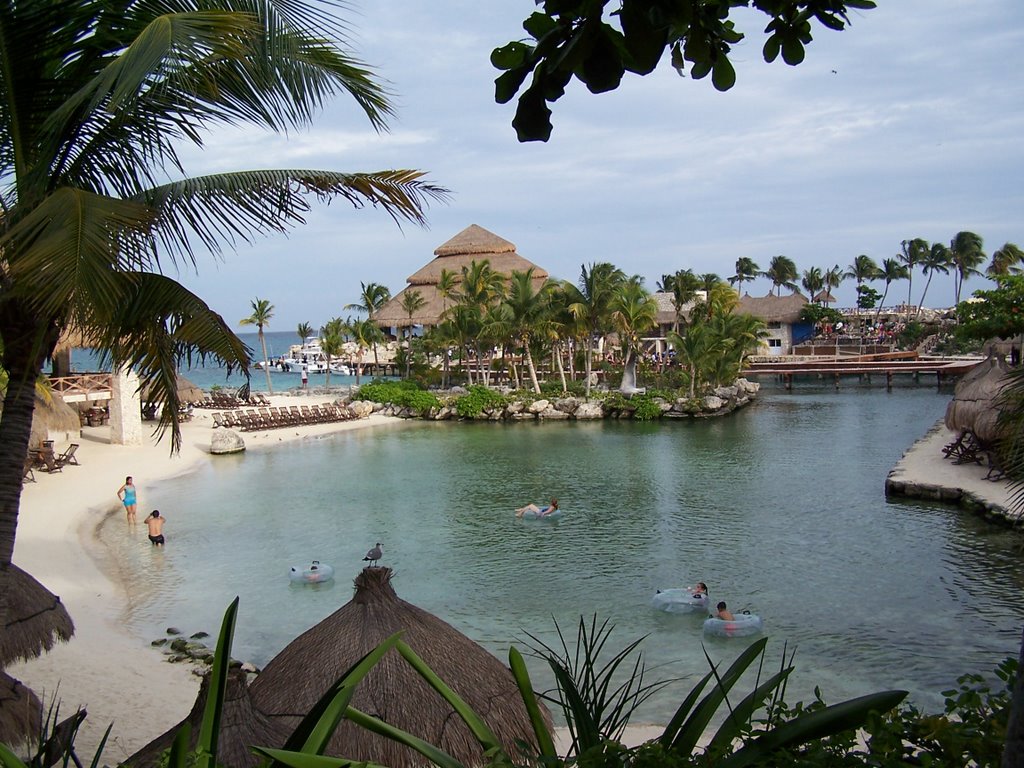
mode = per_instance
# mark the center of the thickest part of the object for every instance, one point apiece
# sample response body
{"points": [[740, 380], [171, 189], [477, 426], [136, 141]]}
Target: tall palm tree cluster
{"points": [[962, 259], [513, 321]]}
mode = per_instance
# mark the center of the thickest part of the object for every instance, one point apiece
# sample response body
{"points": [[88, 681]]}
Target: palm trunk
{"points": [[693, 380], [628, 383], [558, 362], [408, 355], [533, 371], [327, 383], [923, 294], [23, 359], [588, 363], [266, 362], [881, 304]]}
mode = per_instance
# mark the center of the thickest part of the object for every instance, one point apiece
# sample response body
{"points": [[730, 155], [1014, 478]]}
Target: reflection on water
{"points": [[779, 508]]}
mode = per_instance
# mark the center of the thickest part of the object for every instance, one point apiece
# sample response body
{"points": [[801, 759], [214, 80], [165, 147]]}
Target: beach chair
{"points": [[27, 475], [296, 414], [307, 416], [68, 457], [49, 461], [269, 419]]}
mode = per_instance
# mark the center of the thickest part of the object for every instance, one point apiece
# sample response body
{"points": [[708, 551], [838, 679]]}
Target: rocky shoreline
{"points": [[613, 405]]}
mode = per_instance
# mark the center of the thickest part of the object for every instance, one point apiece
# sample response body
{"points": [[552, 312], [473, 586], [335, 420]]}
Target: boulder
{"points": [[225, 441], [553, 414], [361, 408], [713, 403], [538, 406], [567, 404], [588, 410]]}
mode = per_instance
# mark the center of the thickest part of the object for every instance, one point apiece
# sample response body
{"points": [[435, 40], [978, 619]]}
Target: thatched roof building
{"points": [[36, 619], [474, 243], [782, 309], [293, 681], [241, 726], [20, 712], [973, 405]]}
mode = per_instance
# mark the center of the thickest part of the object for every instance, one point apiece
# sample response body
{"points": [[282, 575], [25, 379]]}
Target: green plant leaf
{"points": [[8, 759], [476, 724], [178, 753], [831, 720], [436, 756], [723, 75], [209, 731], [540, 729], [303, 760]]}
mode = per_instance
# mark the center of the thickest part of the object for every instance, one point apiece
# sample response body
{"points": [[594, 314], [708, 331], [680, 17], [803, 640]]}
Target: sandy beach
{"points": [[119, 677]]}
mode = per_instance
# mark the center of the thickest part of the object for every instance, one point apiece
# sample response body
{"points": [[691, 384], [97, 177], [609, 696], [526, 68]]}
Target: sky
{"points": [[907, 124]]}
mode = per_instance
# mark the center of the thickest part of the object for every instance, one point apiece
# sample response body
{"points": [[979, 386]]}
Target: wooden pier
{"points": [[864, 367]]}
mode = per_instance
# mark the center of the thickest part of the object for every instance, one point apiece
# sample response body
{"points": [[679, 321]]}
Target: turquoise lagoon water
{"points": [[779, 508]]}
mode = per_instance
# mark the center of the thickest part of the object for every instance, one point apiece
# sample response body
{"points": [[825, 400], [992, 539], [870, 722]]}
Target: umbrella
{"points": [[973, 405], [36, 619], [293, 681], [241, 726], [20, 711], [187, 392]]}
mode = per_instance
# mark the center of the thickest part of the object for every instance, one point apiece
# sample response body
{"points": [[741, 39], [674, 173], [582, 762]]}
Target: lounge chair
{"points": [[27, 475], [68, 457], [49, 461]]}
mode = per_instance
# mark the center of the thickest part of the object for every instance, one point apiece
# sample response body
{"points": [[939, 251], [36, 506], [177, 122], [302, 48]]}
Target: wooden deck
{"points": [[864, 368], [82, 387]]}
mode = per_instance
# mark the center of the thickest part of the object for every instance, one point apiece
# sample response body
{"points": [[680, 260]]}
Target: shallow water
{"points": [[779, 508]]}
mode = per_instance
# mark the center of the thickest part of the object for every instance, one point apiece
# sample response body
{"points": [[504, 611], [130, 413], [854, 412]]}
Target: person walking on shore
{"points": [[155, 523], [305, 377], [126, 494]]}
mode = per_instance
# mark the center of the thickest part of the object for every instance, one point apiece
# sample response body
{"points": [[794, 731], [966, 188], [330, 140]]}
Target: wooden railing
{"points": [[81, 385]]}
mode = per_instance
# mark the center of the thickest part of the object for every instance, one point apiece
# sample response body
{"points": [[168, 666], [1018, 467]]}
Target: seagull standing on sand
{"points": [[373, 555]]}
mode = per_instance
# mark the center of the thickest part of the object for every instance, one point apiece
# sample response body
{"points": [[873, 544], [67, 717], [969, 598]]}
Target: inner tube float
{"points": [[314, 573], [744, 625], [530, 515], [680, 601]]}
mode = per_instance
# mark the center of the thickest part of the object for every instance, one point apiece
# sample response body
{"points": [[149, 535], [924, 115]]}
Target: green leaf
{"points": [[792, 51], [209, 731], [644, 41], [8, 759], [436, 756], [303, 760], [602, 68], [723, 76], [771, 49], [178, 753], [510, 56], [682, 712], [507, 84], [539, 24], [533, 118], [829, 721], [540, 728]]}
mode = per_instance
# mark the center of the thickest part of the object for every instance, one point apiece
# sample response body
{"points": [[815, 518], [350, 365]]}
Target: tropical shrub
{"points": [[404, 394], [647, 409], [477, 399]]}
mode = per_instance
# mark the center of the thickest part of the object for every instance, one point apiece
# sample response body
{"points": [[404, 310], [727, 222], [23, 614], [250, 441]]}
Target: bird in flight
{"points": [[373, 555]]}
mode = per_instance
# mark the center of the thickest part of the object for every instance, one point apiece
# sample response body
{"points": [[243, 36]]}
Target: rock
{"points": [[552, 414], [361, 408], [515, 407], [225, 441], [713, 403], [567, 404], [158, 643], [726, 393], [199, 635], [179, 645], [251, 668], [538, 406], [522, 416], [173, 631], [588, 410]]}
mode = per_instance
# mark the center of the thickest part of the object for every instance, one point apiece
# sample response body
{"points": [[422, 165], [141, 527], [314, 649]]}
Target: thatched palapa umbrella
{"points": [[187, 391], [293, 681], [36, 619], [241, 726], [20, 711], [973, 405]]}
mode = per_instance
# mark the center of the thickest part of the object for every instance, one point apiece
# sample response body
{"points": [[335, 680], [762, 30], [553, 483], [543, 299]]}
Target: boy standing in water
{"points": [[155, 523]]}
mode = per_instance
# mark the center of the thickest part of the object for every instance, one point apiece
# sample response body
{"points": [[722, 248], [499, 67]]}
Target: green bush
{"points": [[404, 394], [646, 408], [479, 398]]}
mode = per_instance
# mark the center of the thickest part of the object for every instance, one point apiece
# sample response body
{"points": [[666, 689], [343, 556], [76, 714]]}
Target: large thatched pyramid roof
{"points": [[20, 712], [973, 405], [474, 243], [36, 619], [241, 726], [293, 681]]}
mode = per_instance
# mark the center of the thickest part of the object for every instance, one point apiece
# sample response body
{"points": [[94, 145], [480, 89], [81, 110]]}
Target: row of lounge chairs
{"points": [[223, 401], [46, 460], [253, 419]]}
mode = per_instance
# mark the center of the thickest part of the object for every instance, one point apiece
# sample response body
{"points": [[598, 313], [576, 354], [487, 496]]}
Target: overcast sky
{"points": [[909, 124]]}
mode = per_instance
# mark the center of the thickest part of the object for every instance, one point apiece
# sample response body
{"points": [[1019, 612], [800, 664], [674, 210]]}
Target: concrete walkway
{"points": [[925, 473]]}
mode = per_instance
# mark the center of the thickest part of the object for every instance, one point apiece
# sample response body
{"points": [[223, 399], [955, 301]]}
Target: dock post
{"points": [[888, 381], [837, 380]]}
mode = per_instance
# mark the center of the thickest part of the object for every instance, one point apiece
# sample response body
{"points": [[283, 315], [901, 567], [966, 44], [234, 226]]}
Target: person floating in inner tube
{"points": [[724, 613], [534, 509], [698, 590]]}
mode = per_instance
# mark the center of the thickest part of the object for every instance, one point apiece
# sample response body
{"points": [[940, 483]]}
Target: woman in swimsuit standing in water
{"points": [[126, 493]]}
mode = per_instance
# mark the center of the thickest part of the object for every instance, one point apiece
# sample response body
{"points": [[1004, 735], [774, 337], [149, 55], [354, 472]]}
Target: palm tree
{"points": [[304, 331], [813, 281], [891, 270], [446, 284], [372, 296], [746, 270], [683, 285], [262, 312], [525, 316], [782, 272], [966, 255], [633, 311], [937, 259], [482, 288], [863, 268], [412, 302], [332, 343], [1006, 261], [364, 333], [833, 278], [590, 302], [912, 252], [95, 195]]}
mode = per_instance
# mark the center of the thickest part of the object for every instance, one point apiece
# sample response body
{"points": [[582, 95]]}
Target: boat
{"points": [[308, 355], [680, 601], [742, 625]]}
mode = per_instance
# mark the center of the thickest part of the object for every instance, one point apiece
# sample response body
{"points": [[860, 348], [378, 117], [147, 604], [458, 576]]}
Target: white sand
{"points": [[118, 676]]}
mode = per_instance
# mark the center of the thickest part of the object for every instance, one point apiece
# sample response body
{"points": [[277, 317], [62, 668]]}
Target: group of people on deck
{"points": [[701, 589]]}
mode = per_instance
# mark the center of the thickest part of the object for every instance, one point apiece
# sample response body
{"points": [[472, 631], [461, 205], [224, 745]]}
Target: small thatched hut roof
{"points": [[474, 243], [187, 391], [824, 297], [783, 309], [293, 681], [973, 405], [241, 726], [20, 711], [36, 619]]}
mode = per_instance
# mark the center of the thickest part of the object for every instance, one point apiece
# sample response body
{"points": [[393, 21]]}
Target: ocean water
{"points": [[780, 508]]}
